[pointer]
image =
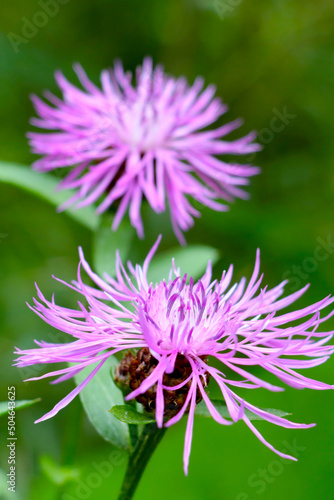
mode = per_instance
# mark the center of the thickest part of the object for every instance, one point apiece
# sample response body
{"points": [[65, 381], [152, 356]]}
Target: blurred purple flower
{"points": [[179, 321], [128, 142]]}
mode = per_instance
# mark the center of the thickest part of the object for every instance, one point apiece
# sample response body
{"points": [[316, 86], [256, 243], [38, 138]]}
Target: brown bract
{"points": [[134, 369]]}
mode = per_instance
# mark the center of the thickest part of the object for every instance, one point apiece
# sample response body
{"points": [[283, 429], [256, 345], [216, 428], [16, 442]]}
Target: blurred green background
{"points": [[267, 58]]}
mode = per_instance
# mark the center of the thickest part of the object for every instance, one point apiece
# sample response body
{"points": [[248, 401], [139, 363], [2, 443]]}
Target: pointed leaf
{"points": [[43, 185], [202, 410], [192, 260], [24, 403], [97, 398], [129, 415]]}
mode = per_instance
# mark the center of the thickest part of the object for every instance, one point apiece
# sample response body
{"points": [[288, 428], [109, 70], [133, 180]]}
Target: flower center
{"points": [[134, 369], [142, 126]]}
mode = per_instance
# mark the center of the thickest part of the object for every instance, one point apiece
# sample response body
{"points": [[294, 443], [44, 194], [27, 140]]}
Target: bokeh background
{"points": [[268, 59]]}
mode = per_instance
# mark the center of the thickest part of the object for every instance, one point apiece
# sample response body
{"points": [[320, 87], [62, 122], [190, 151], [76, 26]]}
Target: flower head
{"points": [[175, 327], [130, 141]]}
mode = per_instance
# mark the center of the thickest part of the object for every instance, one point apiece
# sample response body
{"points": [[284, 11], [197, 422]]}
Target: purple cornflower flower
{"points": [[127, 142], [182, 323]]}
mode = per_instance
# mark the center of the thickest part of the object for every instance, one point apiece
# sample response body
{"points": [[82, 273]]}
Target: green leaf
{"points": [[129, 415], [43, 185], [99, 395], [106, 242], [24, 403], [202, 410], [192, 260]]}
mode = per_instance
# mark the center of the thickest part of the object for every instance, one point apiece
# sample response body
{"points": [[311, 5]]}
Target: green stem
{"points": [[138, 459], [133, 429]]}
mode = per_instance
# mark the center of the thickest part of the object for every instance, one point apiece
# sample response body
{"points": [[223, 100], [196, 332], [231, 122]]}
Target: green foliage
{"points": [[98, 397], [18, 405], [44, 186], [129, 415]]}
